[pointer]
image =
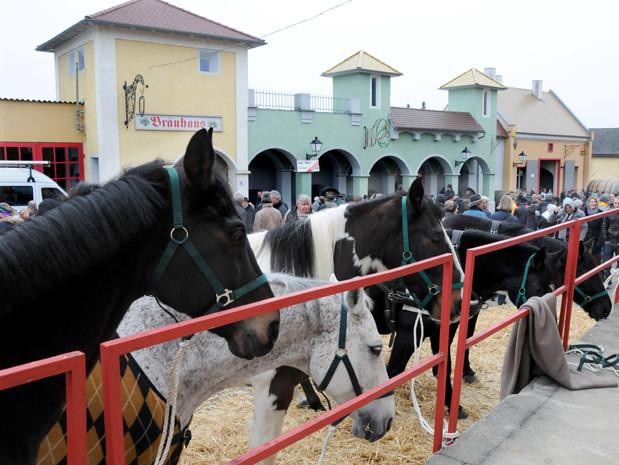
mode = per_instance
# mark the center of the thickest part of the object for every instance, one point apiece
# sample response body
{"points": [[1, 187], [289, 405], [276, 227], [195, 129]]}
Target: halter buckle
{"points": [[183, 239], [228, 295], [588, 299], [434, 289], [340, 352], [407, 255], [522, 291]]}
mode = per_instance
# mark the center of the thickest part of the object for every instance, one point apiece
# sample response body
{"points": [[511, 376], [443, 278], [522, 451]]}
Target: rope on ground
{"points": [[592, 358], [447, 437], [167, 432]]}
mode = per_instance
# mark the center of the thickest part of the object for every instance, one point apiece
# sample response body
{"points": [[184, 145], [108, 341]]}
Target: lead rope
{"points": [[330, 430], [608, 283], [416, 346], [170, 408]]}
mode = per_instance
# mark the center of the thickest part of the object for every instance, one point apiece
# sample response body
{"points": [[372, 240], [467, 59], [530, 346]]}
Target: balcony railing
{"points": [[299, 102]]}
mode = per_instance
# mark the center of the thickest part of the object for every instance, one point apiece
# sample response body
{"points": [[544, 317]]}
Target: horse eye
{"points": [[238, 234], [376, 350]]}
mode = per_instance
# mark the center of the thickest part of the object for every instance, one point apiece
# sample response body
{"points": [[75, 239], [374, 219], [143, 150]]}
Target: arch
{"points": [[354, 162], [485, 169], [286, 153], [402, 164], [273, 168], [224, 163], [445, 164], [227, 159]]}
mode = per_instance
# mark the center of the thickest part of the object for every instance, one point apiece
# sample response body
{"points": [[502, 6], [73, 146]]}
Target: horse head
{"points": [[363, 347], [217, 269], [591, 294]]}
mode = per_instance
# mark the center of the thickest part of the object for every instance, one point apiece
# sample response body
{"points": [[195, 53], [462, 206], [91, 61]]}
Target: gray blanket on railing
{"points": [[535, 349]]}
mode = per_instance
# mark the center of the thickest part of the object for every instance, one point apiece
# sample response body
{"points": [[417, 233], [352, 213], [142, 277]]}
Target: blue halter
{"points": [[179, 237]]}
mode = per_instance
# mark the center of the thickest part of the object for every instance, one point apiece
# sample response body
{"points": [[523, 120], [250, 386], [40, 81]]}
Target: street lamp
{"points": [[466, 153], [522, 157], [316, 145]]}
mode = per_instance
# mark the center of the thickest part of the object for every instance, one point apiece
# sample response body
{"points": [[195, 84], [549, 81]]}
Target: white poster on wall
{"points": [[151, 122], [308, 166]]}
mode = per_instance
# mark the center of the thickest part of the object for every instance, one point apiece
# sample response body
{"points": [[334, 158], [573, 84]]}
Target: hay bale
{"points": [[220, 426]]}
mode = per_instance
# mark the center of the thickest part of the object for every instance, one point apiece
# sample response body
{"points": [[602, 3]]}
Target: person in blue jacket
{"points": [[476, 207], [504, 210]]}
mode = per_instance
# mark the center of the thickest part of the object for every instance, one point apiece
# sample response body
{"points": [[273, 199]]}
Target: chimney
{"points": [[490, 72], [536, 89], [499, 77]]}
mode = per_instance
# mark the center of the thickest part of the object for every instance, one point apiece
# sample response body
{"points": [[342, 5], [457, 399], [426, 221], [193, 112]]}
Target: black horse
{"points": [[502, 270], [69, 276]]}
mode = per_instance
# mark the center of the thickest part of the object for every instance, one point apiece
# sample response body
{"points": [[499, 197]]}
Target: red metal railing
{"points": [[73, 365], [570, 282], [111, 352]]}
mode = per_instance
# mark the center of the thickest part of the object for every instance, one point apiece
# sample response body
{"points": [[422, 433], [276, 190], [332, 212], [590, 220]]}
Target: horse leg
{"points": [[403, 344], [311, 398], [273, 393], [434, 333]]}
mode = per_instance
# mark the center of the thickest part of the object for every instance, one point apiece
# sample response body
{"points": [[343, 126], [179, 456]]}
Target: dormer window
{"points": [[486, 104], [76, 57], [209, 61], [375, 92]]}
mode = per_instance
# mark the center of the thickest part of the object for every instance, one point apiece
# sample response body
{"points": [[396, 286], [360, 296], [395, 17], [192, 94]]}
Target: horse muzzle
{"points": [[374, 420]]}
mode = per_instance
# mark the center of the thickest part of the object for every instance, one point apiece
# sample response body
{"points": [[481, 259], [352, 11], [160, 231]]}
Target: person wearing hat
{"points": [[268, 217], [610, 235], [6, 210], [330, 194], [603, 202], [568, 213], [476, 207]]}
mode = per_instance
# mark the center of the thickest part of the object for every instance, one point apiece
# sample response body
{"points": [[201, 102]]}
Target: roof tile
{"points": [[411, 118]]}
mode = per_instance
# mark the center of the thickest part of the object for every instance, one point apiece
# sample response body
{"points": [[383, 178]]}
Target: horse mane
{"points": [[474, 238], [291, 248], [40, 253]]}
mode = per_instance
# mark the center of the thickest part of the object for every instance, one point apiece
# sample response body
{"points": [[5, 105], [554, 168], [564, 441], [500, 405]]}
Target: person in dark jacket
{"points": [[610, 235], [504, 210], [245, 210]]}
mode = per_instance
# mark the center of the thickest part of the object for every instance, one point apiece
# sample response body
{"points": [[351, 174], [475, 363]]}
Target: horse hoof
{"points": [[470, 379], [462, 414], [303, 404], [315, 407]]}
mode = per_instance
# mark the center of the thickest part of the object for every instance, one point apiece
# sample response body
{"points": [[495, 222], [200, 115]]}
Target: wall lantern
{"points": [[130, 97], [522, 157], [316, 145], [466, 154]]}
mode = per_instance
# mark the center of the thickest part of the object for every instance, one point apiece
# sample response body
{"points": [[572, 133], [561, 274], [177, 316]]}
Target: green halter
{"points": [[522, 292], [586, 298], [179, 237], [407, 259]]}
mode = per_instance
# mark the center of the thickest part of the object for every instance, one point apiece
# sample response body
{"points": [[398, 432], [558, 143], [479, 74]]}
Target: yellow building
{"points": [[546, 147], [149, 74]]}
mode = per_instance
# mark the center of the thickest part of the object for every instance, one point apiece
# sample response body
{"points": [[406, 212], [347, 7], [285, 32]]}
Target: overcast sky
{"points": [[573, 46]]}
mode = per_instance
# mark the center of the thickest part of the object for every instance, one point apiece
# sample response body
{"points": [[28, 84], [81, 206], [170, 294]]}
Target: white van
{"points": [[19, 184]]}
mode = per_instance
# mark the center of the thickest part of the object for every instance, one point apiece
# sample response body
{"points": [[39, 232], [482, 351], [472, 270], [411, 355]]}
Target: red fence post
{"points": [[444, 352], [570, 275], [465, 310], [76, 412], [112, 401]]}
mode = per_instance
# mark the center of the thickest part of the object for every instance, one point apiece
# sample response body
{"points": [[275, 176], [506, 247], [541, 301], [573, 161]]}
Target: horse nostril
{"points": [[389, 422], [273, 330]]}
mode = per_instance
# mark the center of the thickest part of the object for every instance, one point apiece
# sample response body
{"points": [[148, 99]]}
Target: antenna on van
{"points": [[23, 164]]}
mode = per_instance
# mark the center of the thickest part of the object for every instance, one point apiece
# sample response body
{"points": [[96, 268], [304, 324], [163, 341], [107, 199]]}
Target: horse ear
{"points": [[415, 194], [354, 300], [539, 259], [199, 159]]}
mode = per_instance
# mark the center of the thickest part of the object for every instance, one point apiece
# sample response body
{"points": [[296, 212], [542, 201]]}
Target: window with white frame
{"points": [[209, 61], [76, 57], [375, 91], [486, 103]]}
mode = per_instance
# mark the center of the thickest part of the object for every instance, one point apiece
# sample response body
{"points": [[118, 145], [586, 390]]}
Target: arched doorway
{"points": [[433, 171], [272, 169], [336, 169], [472, 175], [386, 175]]}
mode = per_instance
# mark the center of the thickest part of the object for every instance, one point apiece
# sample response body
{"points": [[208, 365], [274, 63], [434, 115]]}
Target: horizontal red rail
{"points": [[520, 314], [112, 350], [73, 366]]}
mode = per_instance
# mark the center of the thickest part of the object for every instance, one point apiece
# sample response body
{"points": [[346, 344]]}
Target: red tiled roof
{"points": [[154, 15], [412, 118], [500, 130]]}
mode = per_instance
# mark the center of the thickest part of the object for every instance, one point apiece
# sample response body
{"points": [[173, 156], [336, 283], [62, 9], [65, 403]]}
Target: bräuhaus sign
{"points": [[177, 122]]}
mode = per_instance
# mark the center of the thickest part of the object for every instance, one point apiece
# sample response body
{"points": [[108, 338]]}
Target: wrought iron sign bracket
{"points": [[130, 97]]}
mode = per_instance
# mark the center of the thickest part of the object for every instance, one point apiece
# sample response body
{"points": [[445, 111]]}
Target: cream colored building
{"points": [[186, 72]]}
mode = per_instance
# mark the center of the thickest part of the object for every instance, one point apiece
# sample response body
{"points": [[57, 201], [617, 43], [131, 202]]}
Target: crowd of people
{"points": [[541, 210]]}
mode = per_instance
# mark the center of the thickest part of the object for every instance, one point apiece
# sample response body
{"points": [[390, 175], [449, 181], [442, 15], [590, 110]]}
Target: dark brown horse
{"points": [[69, 276]]}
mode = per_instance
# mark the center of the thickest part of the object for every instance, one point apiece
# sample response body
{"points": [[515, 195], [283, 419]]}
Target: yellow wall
{"points": [[177, 88], [87, 93], [604, 168], [37, 122], [538, 150]]}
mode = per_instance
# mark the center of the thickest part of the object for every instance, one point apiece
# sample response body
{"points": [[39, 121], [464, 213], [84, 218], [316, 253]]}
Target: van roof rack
{"points": [[23, 164]]}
